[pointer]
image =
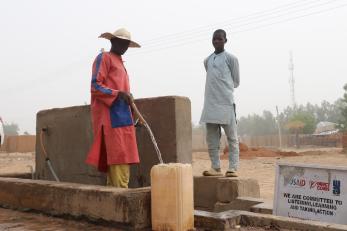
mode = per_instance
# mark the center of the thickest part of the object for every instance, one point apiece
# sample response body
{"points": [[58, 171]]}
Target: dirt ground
{"points": [[260, 168], [17, 162], [263, 168], [12, 220]]}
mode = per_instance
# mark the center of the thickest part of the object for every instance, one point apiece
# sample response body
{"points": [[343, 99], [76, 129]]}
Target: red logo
{"points": [[323, 186], [299, 182]]}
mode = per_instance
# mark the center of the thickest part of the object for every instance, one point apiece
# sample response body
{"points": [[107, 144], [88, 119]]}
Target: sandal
{"points": [[231, 173], [212, 172]]}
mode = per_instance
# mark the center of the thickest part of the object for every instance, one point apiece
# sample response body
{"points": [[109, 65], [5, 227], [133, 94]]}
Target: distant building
{"points": [[326, 128]]}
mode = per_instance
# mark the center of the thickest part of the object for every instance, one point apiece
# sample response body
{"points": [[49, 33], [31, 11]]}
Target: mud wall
{"points": [[23, 143]]}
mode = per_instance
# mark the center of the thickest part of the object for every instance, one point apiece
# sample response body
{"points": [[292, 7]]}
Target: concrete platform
{"points": [[219, 193], [229, 220], [128, 209]]}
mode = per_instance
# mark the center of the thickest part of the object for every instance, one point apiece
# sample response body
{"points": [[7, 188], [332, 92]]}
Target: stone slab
{"points": [[228, 220], [278, 222], [205, 221], [240, 203], [229, 188], [264, 208], [210, 190], [69, 137], [205, 192], [128, 209]]}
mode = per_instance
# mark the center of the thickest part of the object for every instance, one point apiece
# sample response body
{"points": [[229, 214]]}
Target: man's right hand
{"points": [[126, 96]]}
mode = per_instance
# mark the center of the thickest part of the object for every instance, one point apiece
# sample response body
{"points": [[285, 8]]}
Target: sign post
{"points": [[311, 192]]}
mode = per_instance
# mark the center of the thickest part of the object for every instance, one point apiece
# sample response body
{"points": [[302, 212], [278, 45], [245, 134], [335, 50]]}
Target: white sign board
{"points": [[311, 192]]}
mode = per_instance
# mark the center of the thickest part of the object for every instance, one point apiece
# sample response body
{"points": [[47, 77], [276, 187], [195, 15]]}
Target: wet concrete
{"points": [[12, 220]]}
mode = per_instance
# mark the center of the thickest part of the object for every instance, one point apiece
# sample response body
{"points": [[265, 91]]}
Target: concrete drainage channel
{"points": [[234, 220], [129, 209]]}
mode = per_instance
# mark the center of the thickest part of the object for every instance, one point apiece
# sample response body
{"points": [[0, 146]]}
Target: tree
{"points": [[255, 125], [296, 126], [309, 114], [343, 107], [11, 129], [307, 120]]}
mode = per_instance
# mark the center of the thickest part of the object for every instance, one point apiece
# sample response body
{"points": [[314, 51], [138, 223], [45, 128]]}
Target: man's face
{"points": [[120, 46], [218, 41]]}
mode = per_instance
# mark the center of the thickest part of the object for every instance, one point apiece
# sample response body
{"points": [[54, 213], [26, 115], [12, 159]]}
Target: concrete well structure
{"points": [[69, 137]]}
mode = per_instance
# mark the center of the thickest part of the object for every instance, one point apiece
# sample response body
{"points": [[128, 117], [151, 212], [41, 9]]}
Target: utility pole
{"points": [[279, 128], [291, 80]]}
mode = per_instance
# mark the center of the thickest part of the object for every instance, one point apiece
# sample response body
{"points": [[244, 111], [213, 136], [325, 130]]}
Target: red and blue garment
{"points": [[114, 133]]}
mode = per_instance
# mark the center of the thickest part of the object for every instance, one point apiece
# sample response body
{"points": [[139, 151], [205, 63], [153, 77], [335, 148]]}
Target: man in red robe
{"points": [[114, 147]]}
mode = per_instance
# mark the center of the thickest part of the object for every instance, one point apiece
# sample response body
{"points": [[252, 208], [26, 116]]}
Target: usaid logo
{"points": [[298, 182]]}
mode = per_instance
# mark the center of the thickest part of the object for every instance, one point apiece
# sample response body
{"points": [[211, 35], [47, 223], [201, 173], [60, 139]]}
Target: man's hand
{"points": [[138, 123], [126, 96]]}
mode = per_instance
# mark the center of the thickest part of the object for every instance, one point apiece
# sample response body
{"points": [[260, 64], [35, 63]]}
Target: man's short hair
{"points": [[221, 31]]}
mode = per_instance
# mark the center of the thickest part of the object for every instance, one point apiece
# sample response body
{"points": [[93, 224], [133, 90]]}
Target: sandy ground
{"points": [[16, 162], [263, 168], [259, 168]]}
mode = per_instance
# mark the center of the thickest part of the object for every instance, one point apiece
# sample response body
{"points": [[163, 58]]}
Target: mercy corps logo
{"points": [[298, 182], [322, 186]]}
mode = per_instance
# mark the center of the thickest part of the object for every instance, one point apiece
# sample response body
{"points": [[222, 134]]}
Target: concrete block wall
{"points": [[69, 137]]}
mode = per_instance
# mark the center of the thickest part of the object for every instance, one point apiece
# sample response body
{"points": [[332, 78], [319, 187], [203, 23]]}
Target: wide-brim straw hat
{"points": [[122, 34]]}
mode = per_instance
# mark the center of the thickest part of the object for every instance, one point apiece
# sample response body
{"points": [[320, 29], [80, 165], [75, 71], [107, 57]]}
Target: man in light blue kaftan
{"points": [[219, 106]]}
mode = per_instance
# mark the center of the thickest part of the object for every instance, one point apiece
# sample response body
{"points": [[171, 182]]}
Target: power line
{"points": [[227, 21], [293, 18], [241, 31], [240, 22]]}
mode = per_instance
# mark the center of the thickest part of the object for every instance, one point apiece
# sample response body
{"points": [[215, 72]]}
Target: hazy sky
{"points": [[47, 49]]}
